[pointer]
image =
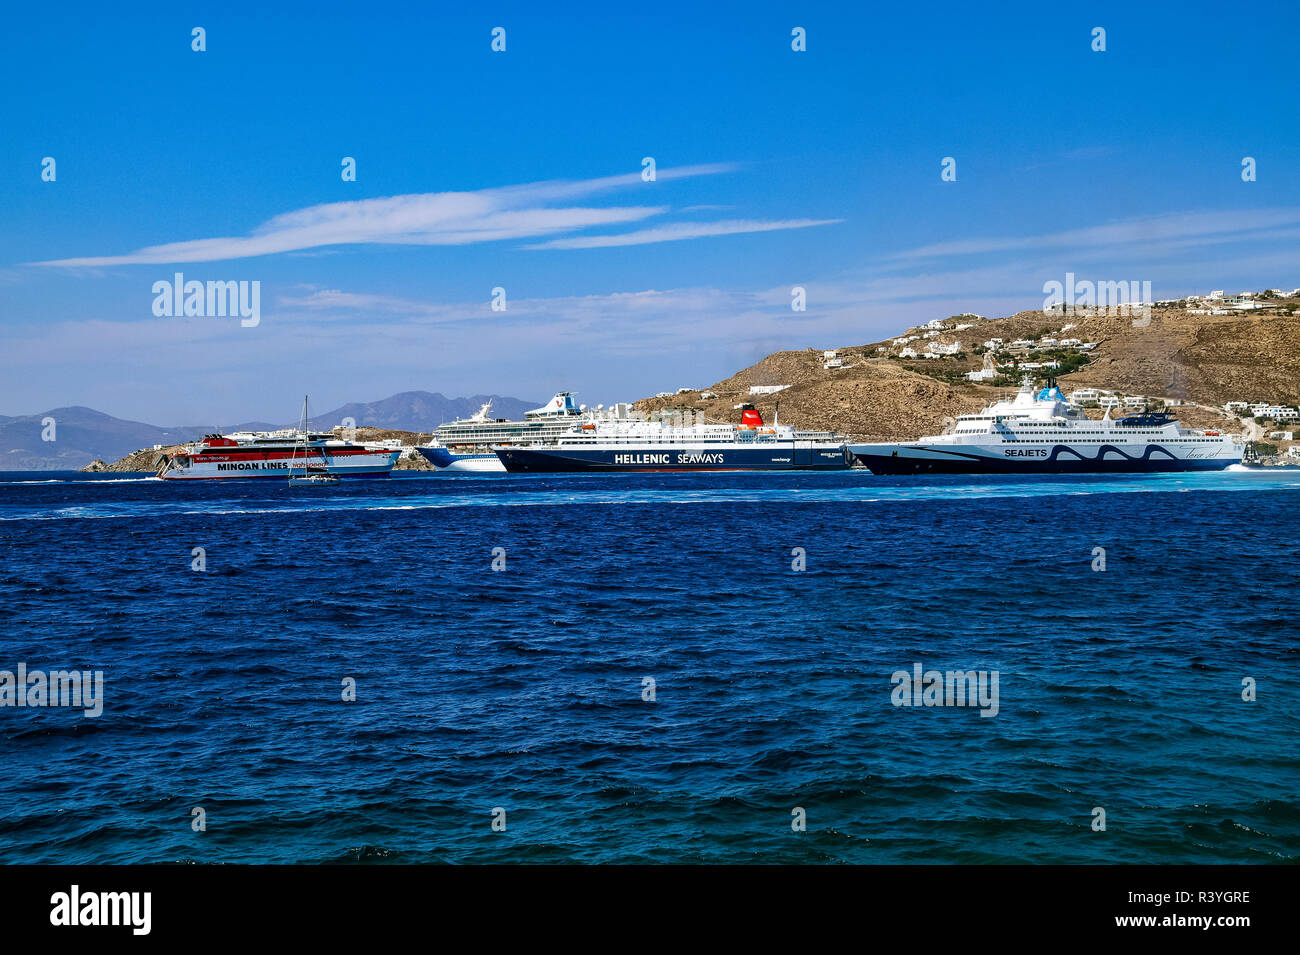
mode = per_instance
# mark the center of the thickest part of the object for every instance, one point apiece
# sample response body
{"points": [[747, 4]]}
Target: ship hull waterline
{"points": [[1060, 460], [272, 466], [566, 460], [452, 463]]}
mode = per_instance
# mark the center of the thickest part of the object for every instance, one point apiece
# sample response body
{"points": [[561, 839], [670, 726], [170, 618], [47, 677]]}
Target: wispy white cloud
{"points": [[1185, 227], [678, 231], [612, 346], [526, 211]]}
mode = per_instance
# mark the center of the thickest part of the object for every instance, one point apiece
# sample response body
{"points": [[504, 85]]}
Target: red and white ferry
{"points": [[277, 454]]}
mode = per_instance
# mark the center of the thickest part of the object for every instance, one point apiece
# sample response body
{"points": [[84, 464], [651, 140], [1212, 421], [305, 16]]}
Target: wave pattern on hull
{"points": [[1062, 459]]}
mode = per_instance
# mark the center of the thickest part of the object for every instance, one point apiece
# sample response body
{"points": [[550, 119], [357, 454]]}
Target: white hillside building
{"points": [[987, 373]]}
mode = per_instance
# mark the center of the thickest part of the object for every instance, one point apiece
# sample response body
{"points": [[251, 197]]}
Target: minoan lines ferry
{"points": [[252, 454], [1042, 433], [620, 445]]}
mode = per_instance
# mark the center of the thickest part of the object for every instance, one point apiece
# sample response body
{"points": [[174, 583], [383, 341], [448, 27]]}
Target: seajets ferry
{"points": [[638, 445], [1042, 433], [259, 454]]}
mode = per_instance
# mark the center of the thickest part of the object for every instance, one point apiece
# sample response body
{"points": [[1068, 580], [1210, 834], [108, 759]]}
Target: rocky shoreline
{"points": [[137, 462]]}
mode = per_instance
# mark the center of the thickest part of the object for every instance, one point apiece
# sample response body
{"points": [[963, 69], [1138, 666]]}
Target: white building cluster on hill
{"points": [[1217, 303]]}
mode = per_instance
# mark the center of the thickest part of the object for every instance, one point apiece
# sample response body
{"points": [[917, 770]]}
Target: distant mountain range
{"points": [[83, 434], [420, 411]]}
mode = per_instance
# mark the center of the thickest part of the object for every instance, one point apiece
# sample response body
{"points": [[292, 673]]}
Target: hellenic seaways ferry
{"points": [[664, 445], [1042, 433]]}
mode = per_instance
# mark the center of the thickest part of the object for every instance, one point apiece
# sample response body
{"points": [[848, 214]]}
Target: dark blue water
{"points": [[522, 689]]}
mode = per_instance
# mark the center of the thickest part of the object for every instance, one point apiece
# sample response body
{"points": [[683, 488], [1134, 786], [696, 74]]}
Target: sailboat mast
{"points": [[302, 432]]}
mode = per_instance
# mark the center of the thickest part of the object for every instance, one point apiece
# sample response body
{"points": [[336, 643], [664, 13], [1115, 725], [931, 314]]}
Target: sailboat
{"points": [[312, 474]]}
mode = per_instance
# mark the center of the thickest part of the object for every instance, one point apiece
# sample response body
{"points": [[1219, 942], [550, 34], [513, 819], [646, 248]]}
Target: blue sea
{"points": [[519, 695]]}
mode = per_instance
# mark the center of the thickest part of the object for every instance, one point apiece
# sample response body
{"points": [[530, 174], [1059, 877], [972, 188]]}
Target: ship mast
{"points": [[302, 431]]}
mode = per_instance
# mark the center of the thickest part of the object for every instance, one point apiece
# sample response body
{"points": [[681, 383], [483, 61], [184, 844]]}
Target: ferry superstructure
{"points": [[276, 454], [664, 445], [546, 423], [1040, 432]]}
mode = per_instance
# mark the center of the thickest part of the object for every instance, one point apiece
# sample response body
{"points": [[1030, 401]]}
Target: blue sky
{"points": [[521, 170]]}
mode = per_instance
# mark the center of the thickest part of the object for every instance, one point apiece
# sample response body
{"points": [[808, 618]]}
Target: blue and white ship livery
{"points": [[1042, 433], [666, 445], [456, 460], [466, 444]]}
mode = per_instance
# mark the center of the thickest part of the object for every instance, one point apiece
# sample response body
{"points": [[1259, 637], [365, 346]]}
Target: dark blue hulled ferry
{"points": [[666, 445]]}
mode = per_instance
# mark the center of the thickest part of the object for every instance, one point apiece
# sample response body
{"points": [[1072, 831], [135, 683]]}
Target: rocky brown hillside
{"points": [[1206, 359], [1209, 359], [875, 398], [409, 461], [146, 459]]}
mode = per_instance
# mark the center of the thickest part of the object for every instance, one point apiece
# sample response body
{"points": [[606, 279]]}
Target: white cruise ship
{"points": [[1042, 433], [466, 444]]}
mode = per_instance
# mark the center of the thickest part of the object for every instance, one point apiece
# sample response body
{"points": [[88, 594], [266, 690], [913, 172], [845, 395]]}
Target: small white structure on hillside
{"points": [[987, 373], [938, 348]]}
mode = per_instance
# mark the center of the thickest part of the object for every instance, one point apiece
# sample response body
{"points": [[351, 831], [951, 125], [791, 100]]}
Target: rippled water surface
{"points": [[522, 689]]}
